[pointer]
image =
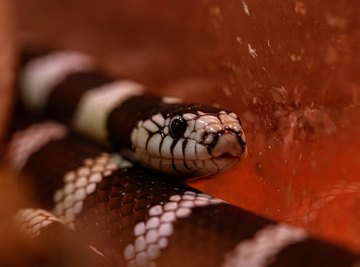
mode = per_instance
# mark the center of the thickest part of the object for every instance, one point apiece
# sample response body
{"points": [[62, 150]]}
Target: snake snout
{"points": [[229, 144]]}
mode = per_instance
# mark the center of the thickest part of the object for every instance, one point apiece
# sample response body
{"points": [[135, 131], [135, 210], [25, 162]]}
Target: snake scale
{"points": [[132, 209]]}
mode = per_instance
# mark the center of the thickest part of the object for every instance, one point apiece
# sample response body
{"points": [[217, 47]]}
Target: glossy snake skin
{"points": [[130, 214], [162, 133]]}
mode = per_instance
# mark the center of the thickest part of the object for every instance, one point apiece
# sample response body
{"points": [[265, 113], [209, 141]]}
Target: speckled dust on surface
{"points": [[306, 164], [302, 158], [301, 146]]}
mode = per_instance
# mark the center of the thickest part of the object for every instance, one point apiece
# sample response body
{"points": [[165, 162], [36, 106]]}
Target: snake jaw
{"points": [[188, 143]]}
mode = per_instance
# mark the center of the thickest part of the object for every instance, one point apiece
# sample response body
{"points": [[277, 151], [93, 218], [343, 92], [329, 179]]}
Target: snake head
{"points": [[189, 140]]}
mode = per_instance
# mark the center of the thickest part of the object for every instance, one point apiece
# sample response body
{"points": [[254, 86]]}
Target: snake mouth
{"points": [[226, 156], [195, 168]]}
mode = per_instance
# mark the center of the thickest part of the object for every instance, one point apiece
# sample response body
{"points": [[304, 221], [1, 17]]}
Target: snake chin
{"points": [[190, 168], [226, 162]]}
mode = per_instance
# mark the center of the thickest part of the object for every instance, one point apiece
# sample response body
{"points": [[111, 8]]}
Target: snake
{"points": [[123, 200], [162, 133]]}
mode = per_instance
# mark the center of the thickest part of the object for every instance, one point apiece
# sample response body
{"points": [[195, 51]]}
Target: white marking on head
{"points": [[159, 119], [206, 120], [178, 149], [191, 124], [150, 126], [267, 243], [91, 121], [232, 114], [141, 138], [199, 134], [214, 128], [201, 152], [25, 143], [153, 235], [41, 75], [189, 152], [185, 139], [165, 147], [209, 139], [153, 146], [189, 116]]}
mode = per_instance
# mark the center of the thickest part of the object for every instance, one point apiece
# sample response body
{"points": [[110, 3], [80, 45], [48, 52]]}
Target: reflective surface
{"points": [[290, 69]]}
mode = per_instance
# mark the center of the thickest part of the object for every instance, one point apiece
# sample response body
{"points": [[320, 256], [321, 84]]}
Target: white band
{"points": [[267, 243], [96, 104], [27, 142], [41, 75]]}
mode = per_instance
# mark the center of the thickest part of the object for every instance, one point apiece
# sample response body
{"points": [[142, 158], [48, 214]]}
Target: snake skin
{"points": [[162, 133], [59, 246], [134, 217], [121, 214]]}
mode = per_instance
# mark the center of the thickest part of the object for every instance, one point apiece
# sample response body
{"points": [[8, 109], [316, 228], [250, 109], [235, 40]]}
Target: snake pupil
{"points": [[178, 126]]}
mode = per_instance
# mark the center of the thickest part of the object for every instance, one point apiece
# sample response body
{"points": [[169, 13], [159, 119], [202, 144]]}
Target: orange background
{"points": [[290, 69]]}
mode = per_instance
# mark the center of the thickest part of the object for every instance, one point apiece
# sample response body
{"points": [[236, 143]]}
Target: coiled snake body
{"points": [[129, 215]]}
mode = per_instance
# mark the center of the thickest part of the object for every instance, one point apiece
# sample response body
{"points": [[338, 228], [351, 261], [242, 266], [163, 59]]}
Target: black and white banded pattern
{"points": [[27, 142], [137, 218], [199, 151], [80, 183], [152, 235], [162, 133], [267, 243]]}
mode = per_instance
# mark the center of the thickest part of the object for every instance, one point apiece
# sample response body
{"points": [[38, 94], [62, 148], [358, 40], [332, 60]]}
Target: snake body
{"points": [[128, 215], [134, 217], [162, 133]]}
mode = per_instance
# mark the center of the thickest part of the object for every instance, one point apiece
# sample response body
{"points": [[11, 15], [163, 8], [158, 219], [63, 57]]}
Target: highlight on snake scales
{"points": [[120, 214], [161, 133], [116, 212]]}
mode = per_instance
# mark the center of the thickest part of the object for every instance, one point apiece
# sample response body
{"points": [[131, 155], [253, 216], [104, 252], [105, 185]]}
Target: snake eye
{"points": [[177, 126]]}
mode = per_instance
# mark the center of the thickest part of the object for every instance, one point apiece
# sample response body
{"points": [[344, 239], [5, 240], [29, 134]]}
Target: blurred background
{"points": [[290, 69]]}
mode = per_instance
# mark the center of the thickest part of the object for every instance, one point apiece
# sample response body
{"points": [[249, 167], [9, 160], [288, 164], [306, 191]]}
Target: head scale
{"points": [[189, 140]]}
